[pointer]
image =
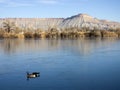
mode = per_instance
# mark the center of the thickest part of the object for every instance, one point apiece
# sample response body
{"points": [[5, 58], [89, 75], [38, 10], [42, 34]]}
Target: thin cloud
{"points": [[3, 1], [12, 3], [15, 4], [48, 1], [28, 3]]}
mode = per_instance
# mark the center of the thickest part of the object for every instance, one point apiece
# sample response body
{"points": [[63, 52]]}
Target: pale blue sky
{"points": [[102, 9]]}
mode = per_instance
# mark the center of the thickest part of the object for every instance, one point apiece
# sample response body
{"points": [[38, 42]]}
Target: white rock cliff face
{"points": [[84, 20], [79, 21]]}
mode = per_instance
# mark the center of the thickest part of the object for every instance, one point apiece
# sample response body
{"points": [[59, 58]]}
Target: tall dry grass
{"points": [[54, 33]]}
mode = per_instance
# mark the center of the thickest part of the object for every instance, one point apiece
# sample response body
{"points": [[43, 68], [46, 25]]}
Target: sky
{"points": [[101, 9]]}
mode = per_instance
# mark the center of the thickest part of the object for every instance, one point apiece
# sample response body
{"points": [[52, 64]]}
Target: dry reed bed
{"points": [[66, 33]]}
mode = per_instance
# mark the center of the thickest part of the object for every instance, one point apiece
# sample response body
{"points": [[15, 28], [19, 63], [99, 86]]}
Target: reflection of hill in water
{"points": [[81, 46]]}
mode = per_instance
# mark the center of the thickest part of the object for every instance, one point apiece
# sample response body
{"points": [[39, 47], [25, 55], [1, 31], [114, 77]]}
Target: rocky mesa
{"points": [[79, 21]]}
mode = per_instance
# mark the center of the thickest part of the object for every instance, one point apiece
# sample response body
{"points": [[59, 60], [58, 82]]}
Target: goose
{"points": [[33, 75]]}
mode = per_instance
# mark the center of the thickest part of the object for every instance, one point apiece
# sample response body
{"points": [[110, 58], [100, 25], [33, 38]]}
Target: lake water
{"points": [[84, 64]]}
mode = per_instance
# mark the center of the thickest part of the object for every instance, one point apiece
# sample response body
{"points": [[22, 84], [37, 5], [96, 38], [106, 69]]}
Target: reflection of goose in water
{"points": [[33, 75]]}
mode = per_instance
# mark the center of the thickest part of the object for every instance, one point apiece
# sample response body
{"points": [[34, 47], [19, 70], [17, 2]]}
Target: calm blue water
{"points": [[84, 64]]}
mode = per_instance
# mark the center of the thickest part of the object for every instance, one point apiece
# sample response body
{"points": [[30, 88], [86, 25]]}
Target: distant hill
{"points": [[80, 21], [84, 20]]}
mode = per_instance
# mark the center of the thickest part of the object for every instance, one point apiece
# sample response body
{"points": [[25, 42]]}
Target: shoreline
{"points": [[55, 34]]}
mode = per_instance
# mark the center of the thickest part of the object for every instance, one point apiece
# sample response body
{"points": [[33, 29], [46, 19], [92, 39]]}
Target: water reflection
{"points": [[81, 46], [9, 45], [82, 64]]}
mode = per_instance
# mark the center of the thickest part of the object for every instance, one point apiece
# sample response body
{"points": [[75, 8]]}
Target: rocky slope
{"points": [[84, 20], [80, 20]]}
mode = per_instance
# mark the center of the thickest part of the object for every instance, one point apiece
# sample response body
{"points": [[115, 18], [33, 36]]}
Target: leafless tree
{"points": [[9, 26]]}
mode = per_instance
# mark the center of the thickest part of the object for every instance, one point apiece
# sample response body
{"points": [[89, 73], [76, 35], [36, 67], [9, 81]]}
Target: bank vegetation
{"points": [[9, 30]]}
